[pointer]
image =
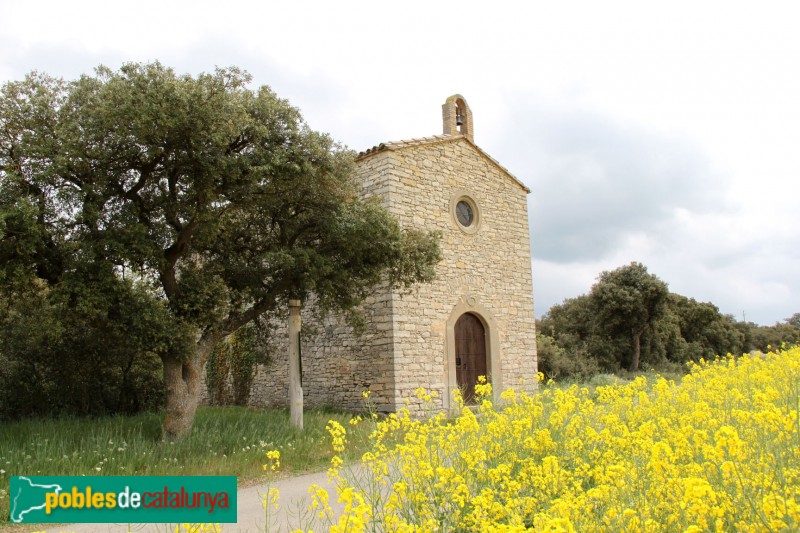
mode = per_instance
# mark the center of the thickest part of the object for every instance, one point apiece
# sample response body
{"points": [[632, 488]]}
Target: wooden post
{"points": [[295, 385]]}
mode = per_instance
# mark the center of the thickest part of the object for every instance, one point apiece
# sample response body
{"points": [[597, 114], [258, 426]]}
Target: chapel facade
{"points": [[476, 318]]}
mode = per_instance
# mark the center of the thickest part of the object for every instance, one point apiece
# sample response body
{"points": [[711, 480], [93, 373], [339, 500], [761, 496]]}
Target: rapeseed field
{"points": [[718, 451]]}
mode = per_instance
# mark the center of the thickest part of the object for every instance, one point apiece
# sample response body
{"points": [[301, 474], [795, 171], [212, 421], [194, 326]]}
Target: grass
{"points": [[224, 441], [622, 377]]}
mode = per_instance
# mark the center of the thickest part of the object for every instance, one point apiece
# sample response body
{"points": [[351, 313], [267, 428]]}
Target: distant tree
{"points": [[573, 315], [766, 338], [663, 342], [596, 328], [707, 331], [557, 362], [794, 320], [574, 328], [627, 302], [214, 200]]}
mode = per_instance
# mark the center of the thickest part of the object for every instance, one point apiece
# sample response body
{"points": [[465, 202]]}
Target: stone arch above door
{"points": [[471, 305]]}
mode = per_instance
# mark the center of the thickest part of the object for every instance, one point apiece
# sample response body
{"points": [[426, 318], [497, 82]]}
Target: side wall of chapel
{"points": [[338, 365]]}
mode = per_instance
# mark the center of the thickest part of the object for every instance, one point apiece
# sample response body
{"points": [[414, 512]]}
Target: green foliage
{"points": [[707, 332], [556, 362], [228, 441], [663, 341], [64, 349], [217, 199], [628, 301], [597, 328], [574, 328], [768, 338], [232, 365]]}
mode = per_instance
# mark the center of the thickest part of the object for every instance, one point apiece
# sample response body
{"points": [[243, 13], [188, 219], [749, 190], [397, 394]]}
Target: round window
{"points": [[464, 214]]}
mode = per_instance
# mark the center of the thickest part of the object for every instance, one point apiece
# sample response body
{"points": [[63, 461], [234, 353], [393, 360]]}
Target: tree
{"points": [[216, 200], [707, 332], [68, 351], [572, 344], [794, 320], [767, 338], [627, 301]]}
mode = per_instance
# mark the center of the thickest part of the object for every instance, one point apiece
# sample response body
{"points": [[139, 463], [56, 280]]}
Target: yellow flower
{"points": [[716, 451], [337, 433], [273, 460], [271, 498]]}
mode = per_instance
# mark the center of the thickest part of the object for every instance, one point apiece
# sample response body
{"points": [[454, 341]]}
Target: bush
{"points": [[63, 352], [557, 363]]}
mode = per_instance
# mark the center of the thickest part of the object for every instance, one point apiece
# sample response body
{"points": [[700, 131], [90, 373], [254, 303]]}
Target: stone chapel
{"points": [[476, 318]]}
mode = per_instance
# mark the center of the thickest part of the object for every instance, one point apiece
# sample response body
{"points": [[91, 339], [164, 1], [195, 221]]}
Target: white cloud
{"points": [[596, 183], [662, 133]]}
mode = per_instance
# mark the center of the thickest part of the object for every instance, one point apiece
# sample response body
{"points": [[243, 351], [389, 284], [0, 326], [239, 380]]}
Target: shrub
{"points": [[557, 363], [66, 352], [232, 366]]}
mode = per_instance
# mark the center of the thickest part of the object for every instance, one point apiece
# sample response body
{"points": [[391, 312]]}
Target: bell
{"points": [[459, 119]]}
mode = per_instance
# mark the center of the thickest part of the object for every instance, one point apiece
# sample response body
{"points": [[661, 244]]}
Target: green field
{"points": [[224, 441]]}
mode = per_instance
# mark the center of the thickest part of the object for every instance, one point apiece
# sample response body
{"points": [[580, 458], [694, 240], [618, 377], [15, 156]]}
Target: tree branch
{"points": [[236, 321], [177, 250]]}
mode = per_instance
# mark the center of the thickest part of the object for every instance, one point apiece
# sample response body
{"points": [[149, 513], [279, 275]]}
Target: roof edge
{"points": [[435, 139]]}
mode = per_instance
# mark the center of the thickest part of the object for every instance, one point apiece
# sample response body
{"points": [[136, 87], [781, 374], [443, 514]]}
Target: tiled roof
{"points": [[396, 145], [399, 145]]}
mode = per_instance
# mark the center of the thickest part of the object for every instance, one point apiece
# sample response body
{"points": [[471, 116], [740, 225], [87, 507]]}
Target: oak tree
{"points": [[627, 301], [214, 199]]}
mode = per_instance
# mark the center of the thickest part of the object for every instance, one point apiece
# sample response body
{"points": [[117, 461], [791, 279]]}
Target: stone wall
{"points": [[337, 364], [486, 270]]}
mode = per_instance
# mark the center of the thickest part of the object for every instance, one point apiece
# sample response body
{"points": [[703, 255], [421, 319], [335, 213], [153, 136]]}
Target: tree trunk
{"points": [[182, 380], [635, 338]]}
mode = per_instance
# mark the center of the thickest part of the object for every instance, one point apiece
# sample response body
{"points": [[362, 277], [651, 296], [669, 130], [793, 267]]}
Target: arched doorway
{"points": [[470, 348]]}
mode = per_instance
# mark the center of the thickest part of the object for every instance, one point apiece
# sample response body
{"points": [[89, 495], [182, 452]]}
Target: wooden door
{"points": [[470, 354]]}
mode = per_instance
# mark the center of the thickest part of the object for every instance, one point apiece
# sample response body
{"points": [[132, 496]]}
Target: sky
{"points": [[666, 133]]}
